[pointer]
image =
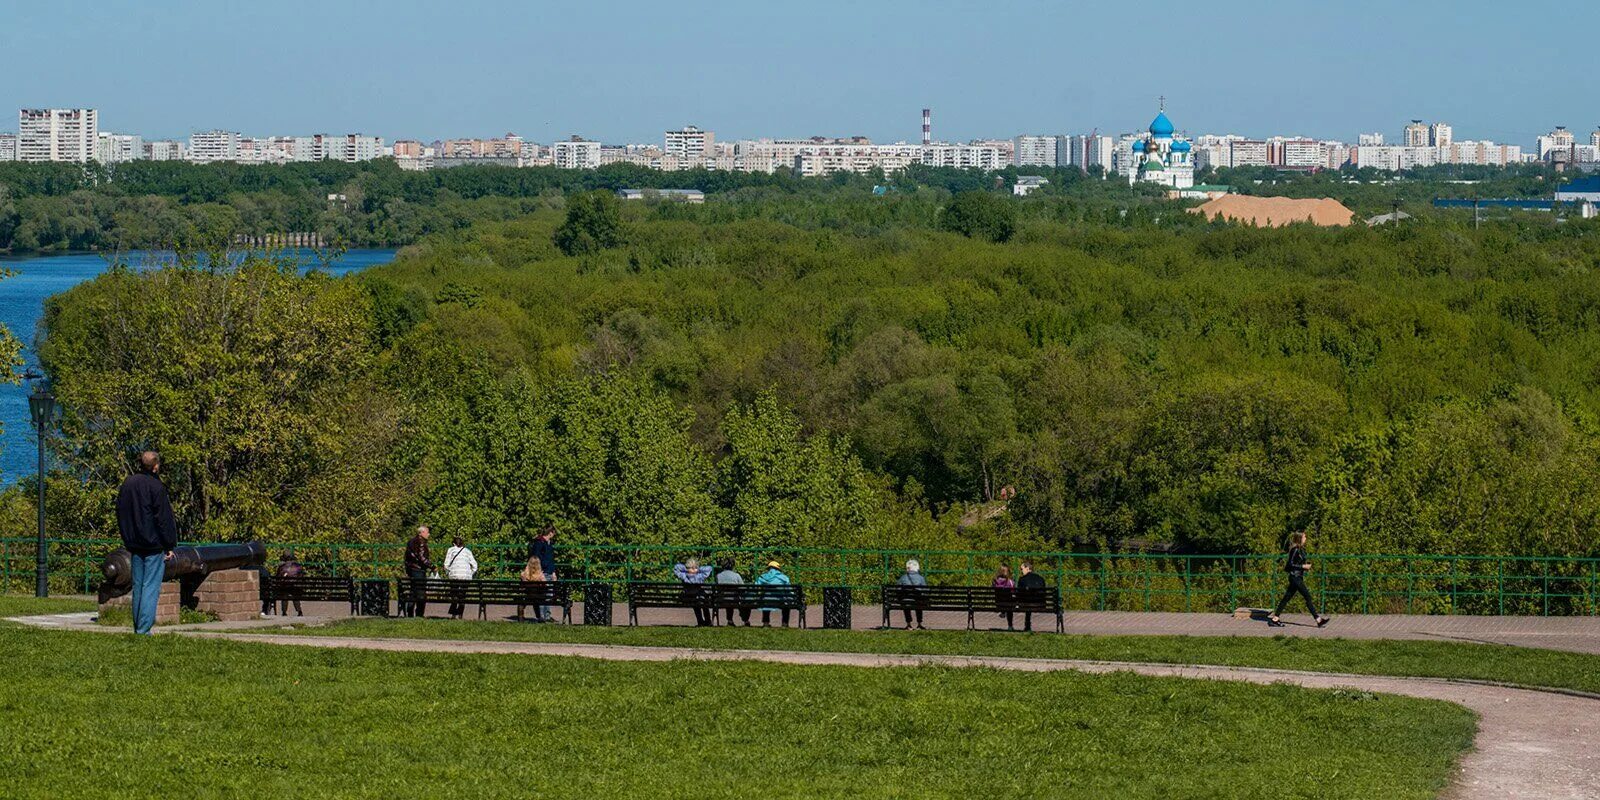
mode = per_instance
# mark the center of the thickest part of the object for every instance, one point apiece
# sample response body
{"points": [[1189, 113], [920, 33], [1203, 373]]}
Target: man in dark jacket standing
{"points": [[1030, 588], [418, 562], [149, 532]]}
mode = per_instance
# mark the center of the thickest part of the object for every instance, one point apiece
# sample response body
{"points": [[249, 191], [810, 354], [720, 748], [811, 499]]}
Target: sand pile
{"points": [[1275, 212]]}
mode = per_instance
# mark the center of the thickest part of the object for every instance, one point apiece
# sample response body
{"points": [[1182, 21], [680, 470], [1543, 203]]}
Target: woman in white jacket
{"points": [[459, 565]]}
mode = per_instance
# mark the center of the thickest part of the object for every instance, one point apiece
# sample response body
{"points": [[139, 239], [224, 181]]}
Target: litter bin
{"points": [[597, 604], [836, 607], [372, 597]]}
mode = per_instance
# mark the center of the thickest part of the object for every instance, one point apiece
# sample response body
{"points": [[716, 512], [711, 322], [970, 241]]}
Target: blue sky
{"points": [[625, 71]]}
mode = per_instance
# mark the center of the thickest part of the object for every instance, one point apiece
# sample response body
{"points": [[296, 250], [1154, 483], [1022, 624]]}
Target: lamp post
{"points": [[43, 408]]}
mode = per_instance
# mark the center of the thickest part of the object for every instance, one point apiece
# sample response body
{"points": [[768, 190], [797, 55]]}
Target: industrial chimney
{"points": [[927, 126]]}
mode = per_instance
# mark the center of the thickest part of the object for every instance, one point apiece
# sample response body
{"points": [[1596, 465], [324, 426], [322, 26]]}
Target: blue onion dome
{"points": [[1161, 126], [1138, 145], [1182, 147]]}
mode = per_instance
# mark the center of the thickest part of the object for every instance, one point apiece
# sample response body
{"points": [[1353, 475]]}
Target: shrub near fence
{"points": [[1344, 583]]}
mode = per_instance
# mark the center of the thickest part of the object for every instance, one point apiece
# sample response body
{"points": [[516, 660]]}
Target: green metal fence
{"points": [[1365, 584]]}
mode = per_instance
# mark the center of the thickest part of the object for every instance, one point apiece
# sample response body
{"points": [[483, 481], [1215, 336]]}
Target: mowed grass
{"points": [[12, 605], [1519, 665], [110, 715]]}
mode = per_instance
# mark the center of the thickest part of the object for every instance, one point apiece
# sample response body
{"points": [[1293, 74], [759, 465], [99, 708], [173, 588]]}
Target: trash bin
{"points": [[836, 607], [373, 597], [597, 604]]}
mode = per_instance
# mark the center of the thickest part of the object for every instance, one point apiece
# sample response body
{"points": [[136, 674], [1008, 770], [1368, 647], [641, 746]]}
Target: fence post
{"points": [[1500, 585]]}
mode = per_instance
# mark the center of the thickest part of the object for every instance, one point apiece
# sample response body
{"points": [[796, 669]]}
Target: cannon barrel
{"points": [[187, 562]]}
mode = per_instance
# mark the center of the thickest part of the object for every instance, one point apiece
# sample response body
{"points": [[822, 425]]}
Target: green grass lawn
{"points": [[12, 605], [1520, 665], [100, 715]]}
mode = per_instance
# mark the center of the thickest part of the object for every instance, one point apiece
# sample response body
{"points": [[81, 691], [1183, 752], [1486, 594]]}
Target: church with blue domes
{"points": [[1158, 156]]}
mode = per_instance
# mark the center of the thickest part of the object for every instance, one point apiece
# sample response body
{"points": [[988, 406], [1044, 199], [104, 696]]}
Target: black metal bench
{"points": [[310, 588], [716, 597], [972, 600], [484, 593]]}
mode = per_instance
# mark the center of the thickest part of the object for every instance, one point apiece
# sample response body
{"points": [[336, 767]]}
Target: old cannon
{"points": [[190, 565]]}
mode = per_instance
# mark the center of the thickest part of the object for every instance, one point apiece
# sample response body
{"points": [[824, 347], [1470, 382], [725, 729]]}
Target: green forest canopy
{"points": [[833, 370]]}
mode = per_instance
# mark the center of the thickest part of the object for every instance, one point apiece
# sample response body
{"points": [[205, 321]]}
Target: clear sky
{"points": [[623, 72]]}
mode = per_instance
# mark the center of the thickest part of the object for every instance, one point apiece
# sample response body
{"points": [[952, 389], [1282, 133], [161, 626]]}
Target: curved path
{"points": [[1531, 744]]}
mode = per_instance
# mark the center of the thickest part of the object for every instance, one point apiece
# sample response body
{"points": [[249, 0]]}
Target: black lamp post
{"points": [[43, 408]]}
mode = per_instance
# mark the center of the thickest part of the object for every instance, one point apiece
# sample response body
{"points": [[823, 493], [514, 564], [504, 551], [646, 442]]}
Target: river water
{"points": [[22, 298]]}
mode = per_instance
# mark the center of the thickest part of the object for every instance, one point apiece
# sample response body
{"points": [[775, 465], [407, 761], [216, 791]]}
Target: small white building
{"points": [[1028, 184]]}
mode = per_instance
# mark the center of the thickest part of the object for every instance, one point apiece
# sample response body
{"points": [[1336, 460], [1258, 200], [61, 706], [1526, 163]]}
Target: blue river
{"points": [[22, 304]]}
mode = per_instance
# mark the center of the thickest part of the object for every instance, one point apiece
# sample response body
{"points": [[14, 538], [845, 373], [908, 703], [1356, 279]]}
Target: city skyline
{"points": [[624, 73]]}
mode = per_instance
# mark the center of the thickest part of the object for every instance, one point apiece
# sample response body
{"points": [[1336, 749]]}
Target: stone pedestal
{"points": [[233, 595], [166, 606]]}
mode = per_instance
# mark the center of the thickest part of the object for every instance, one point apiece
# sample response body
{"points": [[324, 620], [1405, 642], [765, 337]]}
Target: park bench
{"points": [[484, 593], [972, 600], [310, 588], [716, 597]]}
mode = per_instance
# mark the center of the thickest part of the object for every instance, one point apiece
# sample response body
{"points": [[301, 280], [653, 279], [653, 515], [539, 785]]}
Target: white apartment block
{"points": [[1394, 158], [206, 147], [1369, 140], [690, 144], [1036, 151], [1481, 153], [1248, 153], [57, 134], [1558, 139], [8, 147], [979, 155], [1594, 138], [164, 150], [115, 148], [576, 153], [1439, 135]]}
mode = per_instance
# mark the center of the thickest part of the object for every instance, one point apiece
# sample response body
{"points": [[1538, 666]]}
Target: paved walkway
{"points": [[1576, 634], [1530, 744]]}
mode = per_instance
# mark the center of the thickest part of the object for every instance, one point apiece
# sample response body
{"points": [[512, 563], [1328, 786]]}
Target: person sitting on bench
{"points": [[773, 577], [693, 575], [1031, 583], [913, 577], [727, 576]]}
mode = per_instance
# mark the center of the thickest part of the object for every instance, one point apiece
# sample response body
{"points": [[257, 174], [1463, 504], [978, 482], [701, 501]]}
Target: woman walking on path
{"points": [[1297, 566]]}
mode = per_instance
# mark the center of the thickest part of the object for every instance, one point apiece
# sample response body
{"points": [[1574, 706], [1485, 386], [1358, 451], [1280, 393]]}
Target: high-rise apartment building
{"points": [[1416, 134], [115, 148], [1557, 140], [216, 145], [689, 144], [1369, 140], [1248, 153], [576, 153], [8, 147], [1439, 135], [164, 150], [1594, 138], [1296, 153], [57, 134], [1035, 151]]}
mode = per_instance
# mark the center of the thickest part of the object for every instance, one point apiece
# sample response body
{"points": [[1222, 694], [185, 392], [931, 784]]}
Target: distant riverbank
{"points": [[36, 277]]}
